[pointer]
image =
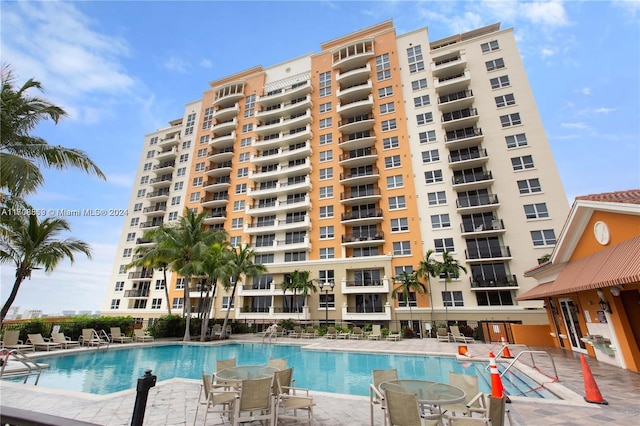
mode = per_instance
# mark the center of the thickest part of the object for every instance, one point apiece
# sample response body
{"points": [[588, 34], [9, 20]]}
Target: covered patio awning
{"points": [[616, 265]]}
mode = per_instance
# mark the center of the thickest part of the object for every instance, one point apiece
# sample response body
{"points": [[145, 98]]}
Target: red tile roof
{"points": [[631, 196]]}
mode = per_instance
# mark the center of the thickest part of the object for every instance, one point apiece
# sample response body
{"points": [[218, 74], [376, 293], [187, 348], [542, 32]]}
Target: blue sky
{"points": [[124, 69]]}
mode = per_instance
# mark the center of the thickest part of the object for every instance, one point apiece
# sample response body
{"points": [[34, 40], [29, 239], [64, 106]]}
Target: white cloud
{"points": [[604, 110], [546, 52], [551, 13], [124, 180], [206, 63], [585, 91], [581, 126], [177, 64]]}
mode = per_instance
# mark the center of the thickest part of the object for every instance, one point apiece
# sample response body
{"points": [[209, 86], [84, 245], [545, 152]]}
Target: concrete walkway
{"points": [[173, 402]]}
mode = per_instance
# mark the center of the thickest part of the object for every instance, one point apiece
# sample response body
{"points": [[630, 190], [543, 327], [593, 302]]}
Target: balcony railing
{"points": [[165, 164], [360, 194], [455, 96], [466, 156], [362, 214], [140, 274], [154, 209], [470, 178], [457, 115], [504, 281], [480, 200], [488, 253], [492, 225], [368, 283], [365, 309], [456, 135], [373, 236], [361, 173], [136, 293]]}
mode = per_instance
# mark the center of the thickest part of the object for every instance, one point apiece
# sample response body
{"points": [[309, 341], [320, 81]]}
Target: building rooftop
{"points": [[631, 196]]}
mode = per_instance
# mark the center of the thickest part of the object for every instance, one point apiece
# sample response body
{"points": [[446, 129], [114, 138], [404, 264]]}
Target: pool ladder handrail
{"points": [[533, 362], [32, 368], [270, 332]]}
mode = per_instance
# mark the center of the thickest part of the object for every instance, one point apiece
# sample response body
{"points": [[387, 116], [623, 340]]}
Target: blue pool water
{"points": [[107, 371]]}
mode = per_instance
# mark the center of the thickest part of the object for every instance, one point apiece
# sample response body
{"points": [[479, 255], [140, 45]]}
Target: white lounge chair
{"points": [[458, 336], [11, 340], [39, 343], [118, 336], [394, 336], [331, 333], [65, 341], [356, 333], [139, 335], [90, 337], [376, 332]]}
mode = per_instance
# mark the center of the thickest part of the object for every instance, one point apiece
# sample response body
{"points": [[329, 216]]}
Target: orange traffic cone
{"points": [[497, 389], [505, 351], [590, 387]]}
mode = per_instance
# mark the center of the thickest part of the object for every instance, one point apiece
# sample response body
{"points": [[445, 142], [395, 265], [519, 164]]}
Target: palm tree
{"points": [[214, 267], [408, 282], [21, 154], [240, 263], [149, 257], [183, 244], [429, 268], [31, 244], [450, 268], [299, 280]]}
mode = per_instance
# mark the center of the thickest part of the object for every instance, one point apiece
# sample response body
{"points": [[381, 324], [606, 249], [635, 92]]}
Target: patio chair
{"points": [[375, 396], [458, 336], [216, 330], [394, 336], [118, 336], [356, 333], [309, 333], [254, 402], [376, 332], [38, 342], [442, 335], [90, 337], [139, 335], [213, 398], [494, 414], [65, 341], [11, 340], [296, 333], [474, 401], [344, 334], [221, 364], [403, 410], [331, 333], [279, 363], [290, 399]]}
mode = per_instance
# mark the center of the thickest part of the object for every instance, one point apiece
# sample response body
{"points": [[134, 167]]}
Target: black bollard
{"points": [[145, 383]]}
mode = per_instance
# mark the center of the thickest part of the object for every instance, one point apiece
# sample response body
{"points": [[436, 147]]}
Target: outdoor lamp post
{"points": [[326, 286]]}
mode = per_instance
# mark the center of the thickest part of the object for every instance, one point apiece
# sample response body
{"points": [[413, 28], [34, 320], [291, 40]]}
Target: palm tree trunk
{"points": [[166, 288], [205, 319], [446, 305], [223, 333], [187, 310], [12, 296]]}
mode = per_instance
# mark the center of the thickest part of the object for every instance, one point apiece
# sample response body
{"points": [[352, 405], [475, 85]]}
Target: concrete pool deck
{"points": [[173, 402]]}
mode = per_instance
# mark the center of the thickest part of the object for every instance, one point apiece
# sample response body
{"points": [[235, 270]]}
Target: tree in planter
{"points": [[299, 281], [214, 266], [408, 283], [450, 268], [429, 268]]}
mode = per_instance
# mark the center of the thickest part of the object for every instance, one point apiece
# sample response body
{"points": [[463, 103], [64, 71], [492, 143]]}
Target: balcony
{"points": [[223, 141], [260, 191], [280, 171], [363, 240], [356, 55], [466, 117], [144, 241], [169, 141], [228, 95], [280, 206], [357, 91], [139, 293], [353, 76], [219, 169], [449, 64], [452, 82], [282, 139], [491, 253], [158, 195], [283, 123], [218, 184], [463, 137], [282, 154], [215, 218], [470, 181], [284, 109], [224, 127], [358, 158], [215, 200], [353, 313], [220, 155], [357, 123], [270, 289], [360, 177], [357, 140], [367, 286], [155, 210], [360, 197], [284, 245], [140, 275], [496, 283], [164, 167], [456, 100], [478, 203], [272, 313], [151, 224], [486, 229], [166, 154], [226, 113], [279, 225], [160, 181], [362, 217], [358, 107], [467, 158], [285, 95]]}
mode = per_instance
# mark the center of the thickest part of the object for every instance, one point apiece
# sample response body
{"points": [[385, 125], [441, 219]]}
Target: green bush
{"points": [[72, 326], [168, 326]]}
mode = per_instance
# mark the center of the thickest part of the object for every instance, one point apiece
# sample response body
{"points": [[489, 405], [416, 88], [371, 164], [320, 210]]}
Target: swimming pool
{"points": [[106, 371]]}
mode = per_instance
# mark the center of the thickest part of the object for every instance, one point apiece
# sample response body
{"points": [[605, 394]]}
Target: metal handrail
{"points": [[15, 355], [533, 362]]}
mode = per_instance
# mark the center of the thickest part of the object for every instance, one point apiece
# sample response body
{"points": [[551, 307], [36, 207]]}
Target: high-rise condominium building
{"points": [[351, 164]]}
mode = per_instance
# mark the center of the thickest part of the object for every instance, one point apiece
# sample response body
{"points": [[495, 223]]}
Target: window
{"points": [[243, 157], [437, 198], [389, 125], [131, 236], [295, 256], [150, 154], [510, 119], [156, 303], [225, 302], [521, 163], [424, 118], [433, 176], [195, 196], [119, 286], [326, 232], [430, 156], [365, 251], [180, 284], [494, 298], [327, 301], [327, 253], [144, 179], [236, 223], [241, 188], [395, 182], [385, 92], [387, 108], [326, 192], [127, 252], [546, 237], [443, 244], [439, 221], [505, 100], [326, 107], [186, 144], [175, 200], [494, 64], [401, 248], [238, 205], [536, 211], [202, 152], [178, 186], [326, 155], [325, 122], [173, 216], [243, 172], [325, 84], [397, 203], [391, 162], [249, 105], [147, 167], [383, 67], [490, 46], [153, 140], [390, 143], [246, 128], [115, 303], [122, 269], [178, 303], [529, 186], [137, 207], [498, 82], [400, 224], [204, 139], [452, 298], [426, 137], [141, 193], [235, 241], [245, 142], [404, 268], [326, 173], [183, 158], [419, 84], [326, 212], [515, 141], [421, 101], [414, 55], [197, 181], [326, 139], [134, 221]]}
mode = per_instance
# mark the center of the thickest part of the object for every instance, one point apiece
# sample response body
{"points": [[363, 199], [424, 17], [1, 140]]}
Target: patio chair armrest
{"points": [[374, 393], [295, 389]]}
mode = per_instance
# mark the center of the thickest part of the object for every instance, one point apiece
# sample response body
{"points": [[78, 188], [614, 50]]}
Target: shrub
{"points": [[168, 326], [408, 333]]}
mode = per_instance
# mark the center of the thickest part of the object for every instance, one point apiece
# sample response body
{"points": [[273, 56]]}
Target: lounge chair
{"points": [[376, 332], [90, 337], [139, 335], [291, 399], [375, 396], [279, 363], [65, 341], [331, 333], [344, 334], [118, 336], [254, 402], [214, 397], [309, 333], [11, 340], [39, 343], [296, 333], [442, 335], [356, 333], [473, 402], [216, 331], [403, 409], [394, 336], [458, 336]]}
